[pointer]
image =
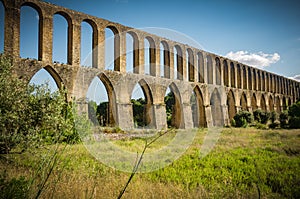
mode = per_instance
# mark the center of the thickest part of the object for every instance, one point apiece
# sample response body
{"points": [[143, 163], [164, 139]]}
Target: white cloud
{"points": [[296, 77], [259, 60]]}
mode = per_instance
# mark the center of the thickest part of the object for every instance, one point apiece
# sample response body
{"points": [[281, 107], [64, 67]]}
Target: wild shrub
{"points": [[261, 116], [294, 115], [243, 118], [283, 119]]}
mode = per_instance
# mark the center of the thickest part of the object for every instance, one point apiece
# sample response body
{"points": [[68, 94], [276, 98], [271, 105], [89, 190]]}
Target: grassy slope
{"points": [[243, 163]]}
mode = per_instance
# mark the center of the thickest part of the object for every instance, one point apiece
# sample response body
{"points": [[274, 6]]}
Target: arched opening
{"points": [[150, 51], [132, 53], [284, 104], [173, 107], [112, 48], [249, 79], [218, 71], [226, 73], [271, 84], [101, 102], [263, 88], [278, 107], [259, 81], [47, 77], [198, 109], [200, 67], [231, 105], [232, 75], [179, 63], [243, 102], [263, 105], [29, 32], [86, 46], [254, 102], [2, 16], [146, 57], [254, 80], [239, 74], [267, 83], [129, 53], [216, 109], [244, 77], [142, 105], [164, 59], [190, 65], [209, 69], [289, 102], [60, 39], [271, 104]]}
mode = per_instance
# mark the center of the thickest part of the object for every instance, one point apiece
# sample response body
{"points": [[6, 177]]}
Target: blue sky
{"points": [[261, 33]]}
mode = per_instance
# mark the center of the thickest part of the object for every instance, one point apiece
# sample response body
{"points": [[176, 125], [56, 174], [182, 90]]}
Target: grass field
{"points": [[245, 163]]}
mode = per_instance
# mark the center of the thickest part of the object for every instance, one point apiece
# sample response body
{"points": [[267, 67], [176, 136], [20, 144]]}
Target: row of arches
{"points": [[175, 60], [244, 103]]}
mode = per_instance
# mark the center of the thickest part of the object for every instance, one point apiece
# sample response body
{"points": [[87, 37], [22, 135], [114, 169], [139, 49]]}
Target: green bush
{"points": [[294, 115], [261, 116], [283, 119], [242, 119]]}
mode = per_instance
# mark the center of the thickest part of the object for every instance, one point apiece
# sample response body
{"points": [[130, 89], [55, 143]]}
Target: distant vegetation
{"points": [[263, 119]]}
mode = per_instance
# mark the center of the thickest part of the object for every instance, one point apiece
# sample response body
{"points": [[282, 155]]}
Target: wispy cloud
{"points": [[259, 60], [296, 77]]}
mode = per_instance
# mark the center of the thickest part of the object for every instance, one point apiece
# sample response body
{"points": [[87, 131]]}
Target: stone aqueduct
{"points": [[221, 86]]}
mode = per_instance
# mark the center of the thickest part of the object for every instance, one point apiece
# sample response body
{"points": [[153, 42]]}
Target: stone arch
{"points": [[271, 103], [232, 74], [112, 116], [69, 45], [263, 104], [94, 47], [116, 47], [190, 65], [148, 109], [179, 61], [209, 69], [218, 71], [199, 117], [277, 102], [56, 77], [152, 55], [200, 67], [226, 73], [177, 115], [254, 102], [231, 105], [165, 57], [216, 109], [249, 79], [243, 102], [239, 74], [244, 77], [39, 12]]}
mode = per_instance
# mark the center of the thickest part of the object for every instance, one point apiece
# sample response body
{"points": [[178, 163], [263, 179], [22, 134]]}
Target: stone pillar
{"points": [[208, 116], [46, 38], [184, 64], [141, 58], [187, 116], [12, 30], [74, 44], [101, 49], [157, 58], [172, 67], [124, 114], [160, 117], [122, 52]]}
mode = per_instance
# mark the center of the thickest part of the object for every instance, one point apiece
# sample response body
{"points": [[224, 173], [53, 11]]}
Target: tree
{"points": [[31, 115]]}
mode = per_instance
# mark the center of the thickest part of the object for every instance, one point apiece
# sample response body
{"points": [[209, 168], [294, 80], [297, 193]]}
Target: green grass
{"points": [[243, 164]]}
